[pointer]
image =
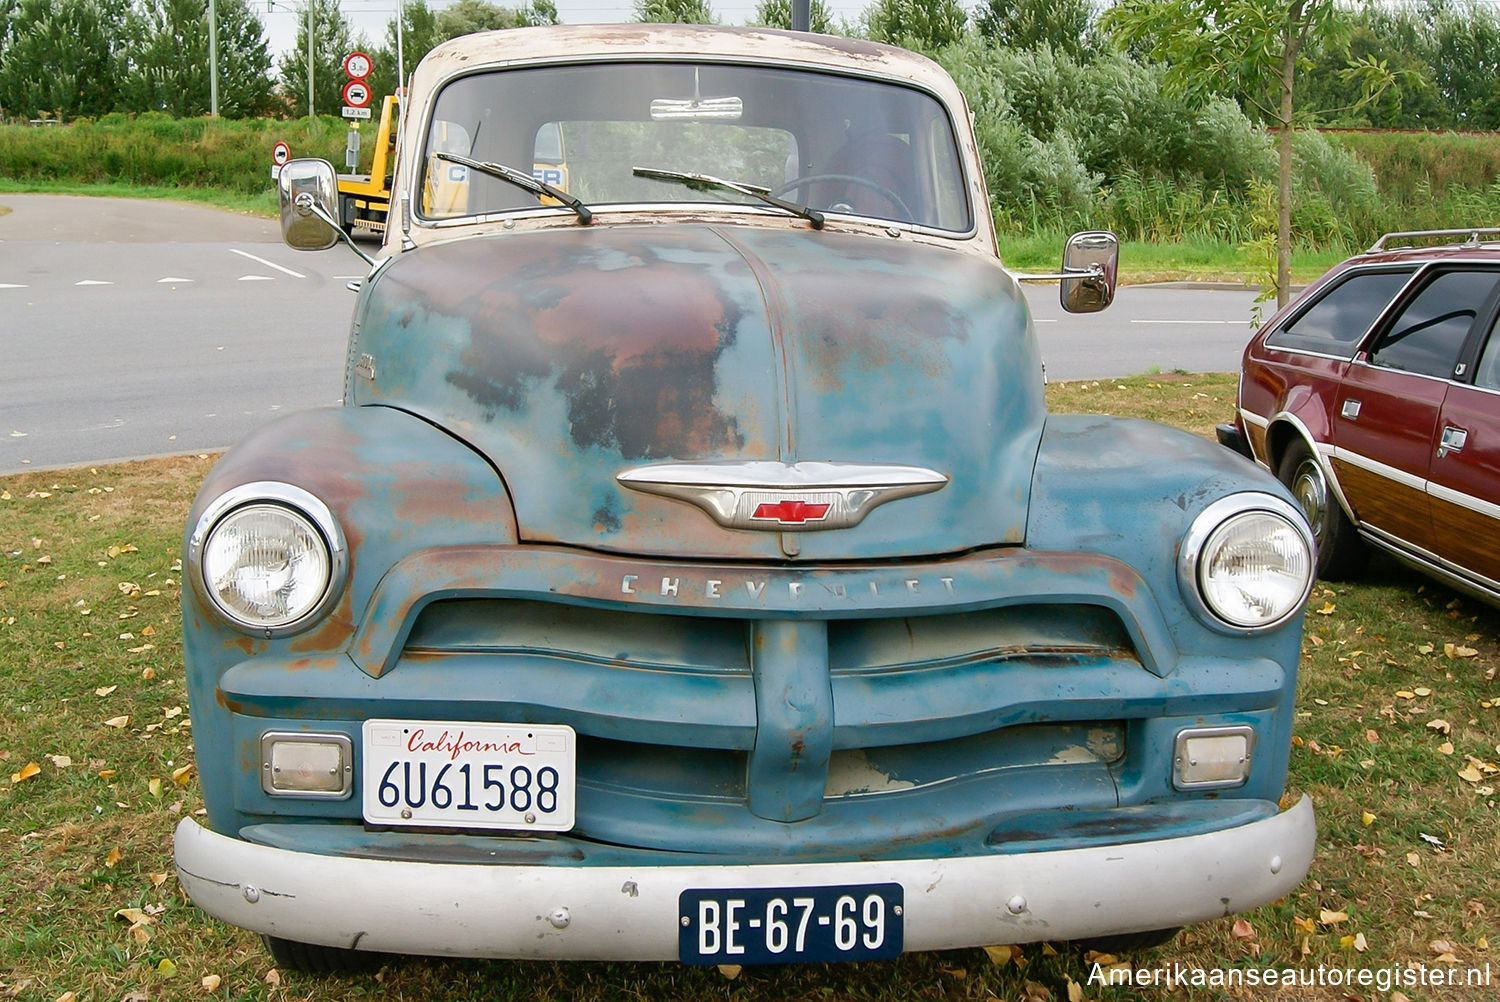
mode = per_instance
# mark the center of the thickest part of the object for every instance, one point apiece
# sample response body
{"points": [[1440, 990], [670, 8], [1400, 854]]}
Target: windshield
{"points": [[840, 144]]}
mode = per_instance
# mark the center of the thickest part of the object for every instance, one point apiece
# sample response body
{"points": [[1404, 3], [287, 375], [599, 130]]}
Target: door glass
{"points": [[1428, 335], [1487, 373], [1338, 321]]}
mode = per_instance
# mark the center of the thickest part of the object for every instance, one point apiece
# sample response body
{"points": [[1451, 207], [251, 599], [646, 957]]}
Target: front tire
{"points": [[313, 958], [1340, 553]]}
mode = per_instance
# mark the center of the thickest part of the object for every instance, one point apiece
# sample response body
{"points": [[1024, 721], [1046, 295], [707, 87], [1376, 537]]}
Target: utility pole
{"points": [[801, 15], [310, 58], [213, 60]]}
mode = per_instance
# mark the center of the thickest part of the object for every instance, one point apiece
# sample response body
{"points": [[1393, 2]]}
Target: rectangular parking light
{"points": [[1212, 758], [306, 765]]}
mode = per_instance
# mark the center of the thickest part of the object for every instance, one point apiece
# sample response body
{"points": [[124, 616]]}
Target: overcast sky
{"points": [[280, 17]]}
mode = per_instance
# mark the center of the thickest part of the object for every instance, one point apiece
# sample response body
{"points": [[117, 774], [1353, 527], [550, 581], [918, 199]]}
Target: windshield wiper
{"points": [[707, 182], [521, 180]]}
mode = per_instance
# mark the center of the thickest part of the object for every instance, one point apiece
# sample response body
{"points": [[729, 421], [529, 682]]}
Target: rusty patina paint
{"points": [[569, 356]]}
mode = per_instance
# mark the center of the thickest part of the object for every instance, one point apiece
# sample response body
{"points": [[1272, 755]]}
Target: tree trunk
{"points": [[1284, 157]]}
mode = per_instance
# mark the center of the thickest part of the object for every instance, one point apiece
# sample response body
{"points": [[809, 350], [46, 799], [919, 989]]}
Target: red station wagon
{"points": [[1375, 397]]}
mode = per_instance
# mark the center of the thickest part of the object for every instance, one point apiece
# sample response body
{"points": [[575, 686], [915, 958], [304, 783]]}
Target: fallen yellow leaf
{"points": [[105, 690], [166, 968], [154, 785], [1327, 609], [1367, 819], [1327, 917], [1304, 924], [1242, 929], [1360, 943], [1001, 955], [211, 982], [117, 721], [112, 859], [182, 774], [28, 770]]}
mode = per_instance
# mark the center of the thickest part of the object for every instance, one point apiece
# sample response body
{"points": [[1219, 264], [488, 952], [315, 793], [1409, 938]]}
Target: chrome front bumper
{"points": [[630, 913]]}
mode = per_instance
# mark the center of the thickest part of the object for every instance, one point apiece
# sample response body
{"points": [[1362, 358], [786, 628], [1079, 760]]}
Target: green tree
{"points": [[169, 64], [918, 24], [331, 43], [63, 57], [1067, 26], [1466, 47], [419, 33], [675, 12], [1252, 47], [778, 14], [1403, 40]]}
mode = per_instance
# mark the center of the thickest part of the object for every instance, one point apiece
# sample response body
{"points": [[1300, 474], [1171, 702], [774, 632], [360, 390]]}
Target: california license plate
{"points": [[459, 774], [781, 925]]}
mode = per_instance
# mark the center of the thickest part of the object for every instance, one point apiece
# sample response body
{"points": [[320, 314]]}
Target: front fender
{"points": [[1130, 489], [394, 483]]}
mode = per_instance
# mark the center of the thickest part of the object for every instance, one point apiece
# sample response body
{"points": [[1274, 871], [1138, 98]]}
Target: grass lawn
{"points": [[1398, 728]]}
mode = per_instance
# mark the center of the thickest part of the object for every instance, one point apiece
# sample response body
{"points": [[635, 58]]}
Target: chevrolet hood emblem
{"points": [[783, 497]]}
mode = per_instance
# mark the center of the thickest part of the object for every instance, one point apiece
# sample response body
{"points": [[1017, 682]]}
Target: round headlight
{"points": [[1248, 561], [265, 564]]}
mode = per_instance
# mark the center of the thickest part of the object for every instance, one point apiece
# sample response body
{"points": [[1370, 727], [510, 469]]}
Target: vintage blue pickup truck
{"points": [[693, 570]]}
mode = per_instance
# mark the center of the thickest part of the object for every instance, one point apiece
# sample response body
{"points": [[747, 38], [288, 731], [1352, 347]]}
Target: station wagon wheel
{"points": [[861, 182], [1341, 554], [313, 958]]}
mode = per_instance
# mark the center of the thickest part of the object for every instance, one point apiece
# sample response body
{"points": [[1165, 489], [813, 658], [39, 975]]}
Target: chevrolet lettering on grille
{"points": [[784, 497]]}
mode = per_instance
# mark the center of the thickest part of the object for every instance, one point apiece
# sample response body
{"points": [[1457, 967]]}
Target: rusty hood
{"points": [[574, 360]]}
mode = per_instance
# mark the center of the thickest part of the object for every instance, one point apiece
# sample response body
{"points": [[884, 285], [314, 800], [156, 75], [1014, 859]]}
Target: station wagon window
{"points": [[1487, 372], [1426, 337], [1338, 321], [839, 143]]}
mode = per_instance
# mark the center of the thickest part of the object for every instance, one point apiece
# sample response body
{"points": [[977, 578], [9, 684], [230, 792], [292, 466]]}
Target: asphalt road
{"points": [[136, 328], [133, 328]]}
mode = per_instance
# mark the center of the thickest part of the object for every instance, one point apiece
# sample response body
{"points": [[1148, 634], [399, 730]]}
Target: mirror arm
{"points": [[1092, 271], [308, 205]]}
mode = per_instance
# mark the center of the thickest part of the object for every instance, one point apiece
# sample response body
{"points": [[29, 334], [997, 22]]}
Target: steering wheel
{"points": [[854, 179]]}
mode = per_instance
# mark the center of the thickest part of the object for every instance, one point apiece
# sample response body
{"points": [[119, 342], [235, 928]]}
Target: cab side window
{"points": [[1338, 321], [1429, 333]]}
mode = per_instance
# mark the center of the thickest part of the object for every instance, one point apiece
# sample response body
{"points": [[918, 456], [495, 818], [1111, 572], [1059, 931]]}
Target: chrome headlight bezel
{"points": [[1207, 530], [300, 504]]}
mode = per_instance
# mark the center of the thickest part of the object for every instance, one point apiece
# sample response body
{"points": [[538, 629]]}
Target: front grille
{"points": [[742, 733]]}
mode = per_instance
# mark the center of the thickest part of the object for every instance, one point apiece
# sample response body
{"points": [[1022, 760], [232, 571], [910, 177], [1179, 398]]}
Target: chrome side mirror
{"points": [[303, 187], [1091, 261]]}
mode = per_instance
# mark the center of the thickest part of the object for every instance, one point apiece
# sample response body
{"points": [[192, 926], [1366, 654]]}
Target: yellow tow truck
{"points": [[365, 199]]}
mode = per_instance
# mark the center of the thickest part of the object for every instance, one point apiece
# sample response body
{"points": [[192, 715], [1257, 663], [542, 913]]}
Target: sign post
{"points": [[280, 154], [357, 67]]}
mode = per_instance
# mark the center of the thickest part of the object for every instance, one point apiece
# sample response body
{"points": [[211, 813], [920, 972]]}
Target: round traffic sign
{"points": [[280, 154], [357, 65], [356, 94]]}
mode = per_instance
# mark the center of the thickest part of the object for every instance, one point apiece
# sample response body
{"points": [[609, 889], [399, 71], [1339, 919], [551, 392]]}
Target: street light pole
{"points": [[310, 58], [213, 60]]}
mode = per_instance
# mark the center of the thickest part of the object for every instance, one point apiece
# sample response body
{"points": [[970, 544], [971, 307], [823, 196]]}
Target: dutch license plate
{"points": [[780, 925], [458, 774]]}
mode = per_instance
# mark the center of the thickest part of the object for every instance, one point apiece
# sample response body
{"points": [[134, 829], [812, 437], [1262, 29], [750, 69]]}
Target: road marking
{"points": [[1190, 321], [6, 285], [92, 281], [172, 281], [268, 264], [256, 278]]}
